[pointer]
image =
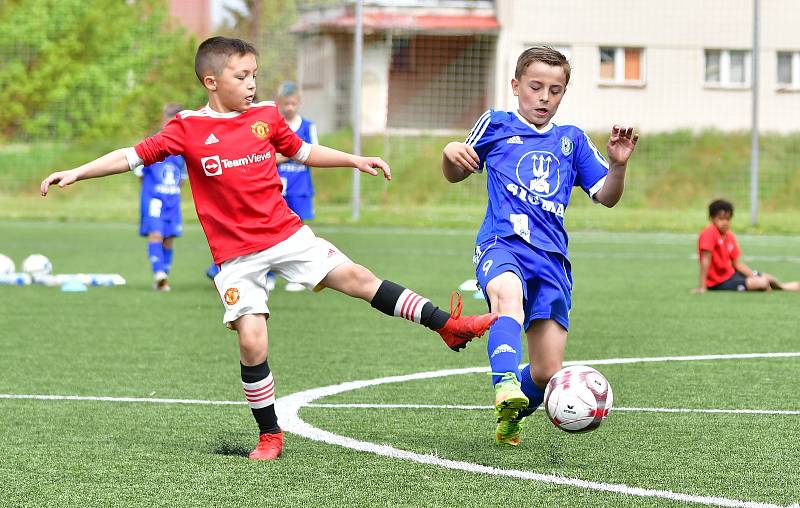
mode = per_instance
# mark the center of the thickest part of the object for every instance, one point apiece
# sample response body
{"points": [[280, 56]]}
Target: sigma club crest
{"points": [[260, 130], [539, 172]]}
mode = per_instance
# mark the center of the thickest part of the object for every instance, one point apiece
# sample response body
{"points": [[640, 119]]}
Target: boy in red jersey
{"points": [[719, 256], [230, 147]]}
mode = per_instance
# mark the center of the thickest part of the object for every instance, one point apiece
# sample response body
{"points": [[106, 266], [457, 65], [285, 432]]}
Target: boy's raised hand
{"points": [[621, 144], [62, 178], [368, 165]]}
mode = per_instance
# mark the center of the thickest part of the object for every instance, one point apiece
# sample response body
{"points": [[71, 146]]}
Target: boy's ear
{"points": [[210, 82], [515, 86]]}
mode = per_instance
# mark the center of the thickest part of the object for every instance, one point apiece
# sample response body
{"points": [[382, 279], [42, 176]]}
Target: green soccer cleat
{"points": [[508, 432], [508, 398]]}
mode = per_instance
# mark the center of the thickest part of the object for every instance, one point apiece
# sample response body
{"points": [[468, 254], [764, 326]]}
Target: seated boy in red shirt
{"points": [[720, 265]]}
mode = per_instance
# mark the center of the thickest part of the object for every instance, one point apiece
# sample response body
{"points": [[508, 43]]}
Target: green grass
{"points": [[631, 299]]}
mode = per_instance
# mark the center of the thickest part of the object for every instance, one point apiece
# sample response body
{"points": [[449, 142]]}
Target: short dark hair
{"points": [[213, 54], [544, 54], [720, 205]]}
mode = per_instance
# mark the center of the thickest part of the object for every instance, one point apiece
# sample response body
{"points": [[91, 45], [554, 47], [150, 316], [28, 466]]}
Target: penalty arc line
{"points": [[288, 409]]}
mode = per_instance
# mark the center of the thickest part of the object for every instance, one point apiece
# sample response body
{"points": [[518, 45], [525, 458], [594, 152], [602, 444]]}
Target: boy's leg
{"points": [[258, 384], [395, 300], [167, 245], [547, 341], [155, 252], [505, 293], [776, 284]]}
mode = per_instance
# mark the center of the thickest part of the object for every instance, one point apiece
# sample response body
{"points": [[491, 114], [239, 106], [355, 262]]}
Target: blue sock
{"points": [[532, 391], [167, 259], [504, 347], [156, 253]]}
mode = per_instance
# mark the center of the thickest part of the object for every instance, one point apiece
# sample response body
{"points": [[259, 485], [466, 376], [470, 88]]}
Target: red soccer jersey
{"points": [[724, 251], [236, 189]]}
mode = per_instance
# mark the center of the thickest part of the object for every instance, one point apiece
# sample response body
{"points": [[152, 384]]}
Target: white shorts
{"points": [[303, 258]]}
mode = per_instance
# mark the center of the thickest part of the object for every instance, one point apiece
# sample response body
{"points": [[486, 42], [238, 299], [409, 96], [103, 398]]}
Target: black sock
{"points": [[395, 300], [259, 390]]}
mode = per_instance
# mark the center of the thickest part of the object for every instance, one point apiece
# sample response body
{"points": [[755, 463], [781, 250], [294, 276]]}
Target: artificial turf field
{"points": [[631, 301]]}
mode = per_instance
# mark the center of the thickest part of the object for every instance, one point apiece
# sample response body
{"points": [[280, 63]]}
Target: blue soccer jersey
{"points": [[296, 176], [161, 196], [530, 175]]}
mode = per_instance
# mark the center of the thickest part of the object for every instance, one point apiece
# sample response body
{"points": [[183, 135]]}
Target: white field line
{"points": [[615, 410], [288, 409]]}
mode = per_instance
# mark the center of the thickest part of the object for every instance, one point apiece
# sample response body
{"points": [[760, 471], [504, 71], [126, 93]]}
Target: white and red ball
{"points": [[578, 398]]}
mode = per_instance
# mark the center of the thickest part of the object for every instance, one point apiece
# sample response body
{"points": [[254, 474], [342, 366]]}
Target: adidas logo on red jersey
{"points": [[211, 139]]}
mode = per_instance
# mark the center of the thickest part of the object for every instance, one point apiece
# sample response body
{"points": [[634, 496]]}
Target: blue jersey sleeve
{"points": [[184, 170], [480, 137], [591, 167]]}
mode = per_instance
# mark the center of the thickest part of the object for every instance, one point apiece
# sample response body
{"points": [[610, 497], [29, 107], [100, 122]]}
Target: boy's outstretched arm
{"points": [[324, 157], [619, 149], [108, 164], [459, 160]]}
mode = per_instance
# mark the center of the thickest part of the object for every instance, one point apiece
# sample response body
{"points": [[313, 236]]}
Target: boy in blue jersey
{"points": [[161, 218], [298, 190], [520, 256]]}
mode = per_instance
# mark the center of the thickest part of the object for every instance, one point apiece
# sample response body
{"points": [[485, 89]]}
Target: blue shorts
{"points": [[155, 219], [303, 206], [546, 277]]}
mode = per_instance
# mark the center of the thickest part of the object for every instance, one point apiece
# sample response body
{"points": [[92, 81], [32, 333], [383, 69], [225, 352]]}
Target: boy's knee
{"points": [[541, 376]]}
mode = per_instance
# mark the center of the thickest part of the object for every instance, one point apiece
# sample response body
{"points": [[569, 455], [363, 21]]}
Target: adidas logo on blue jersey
{"points": [[514, 140]]}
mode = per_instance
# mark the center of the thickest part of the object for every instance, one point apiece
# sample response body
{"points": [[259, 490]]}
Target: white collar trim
{"points": [[526, 122]]}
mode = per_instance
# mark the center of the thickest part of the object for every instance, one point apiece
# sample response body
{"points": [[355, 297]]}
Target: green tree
{"points": [[91, 69]]}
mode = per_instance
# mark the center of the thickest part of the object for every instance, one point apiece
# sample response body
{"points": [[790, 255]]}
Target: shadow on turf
{"points": [[226, 448]]}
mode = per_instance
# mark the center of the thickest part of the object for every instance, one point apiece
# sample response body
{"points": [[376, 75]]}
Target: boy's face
{"points": [[540, 90], [288, 105], [235, 88], [722, 221]]}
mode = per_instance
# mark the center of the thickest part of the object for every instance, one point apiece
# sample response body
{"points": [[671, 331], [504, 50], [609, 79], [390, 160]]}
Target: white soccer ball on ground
{"points": [[578, 399], [37, 266], [7, 265]]}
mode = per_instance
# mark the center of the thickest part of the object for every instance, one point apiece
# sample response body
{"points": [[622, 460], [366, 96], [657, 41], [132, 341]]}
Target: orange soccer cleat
{"points": [[269, 447], [461, 329]]}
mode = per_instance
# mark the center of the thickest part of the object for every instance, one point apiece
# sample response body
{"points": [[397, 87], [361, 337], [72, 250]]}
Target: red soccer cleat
{"points": [[461, 329], [269, 447]]}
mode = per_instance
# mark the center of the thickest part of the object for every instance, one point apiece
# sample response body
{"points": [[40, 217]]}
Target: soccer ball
{"points": [[578, 398], [6, 265], [37, 266]]}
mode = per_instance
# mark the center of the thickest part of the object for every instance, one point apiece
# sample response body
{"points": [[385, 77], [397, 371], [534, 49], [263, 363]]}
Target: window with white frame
{"points": [[727, 68], [624, 66], [789, 69]]}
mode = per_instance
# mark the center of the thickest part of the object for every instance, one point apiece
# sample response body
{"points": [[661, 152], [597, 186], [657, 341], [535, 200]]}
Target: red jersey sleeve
{"points": [[168, 141], [707, 240], [283, 137]]}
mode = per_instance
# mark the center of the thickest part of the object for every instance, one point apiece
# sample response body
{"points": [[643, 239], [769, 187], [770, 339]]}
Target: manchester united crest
{"points": [[231, 296], [260, 129]]}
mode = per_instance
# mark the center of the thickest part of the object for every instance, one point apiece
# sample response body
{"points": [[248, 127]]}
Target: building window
{"points": [[622, 65], [727, 68], [789, 69]]}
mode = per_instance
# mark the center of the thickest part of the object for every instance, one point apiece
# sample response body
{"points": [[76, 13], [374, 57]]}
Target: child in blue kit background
{"points": [[160, 214], [521, 248]]}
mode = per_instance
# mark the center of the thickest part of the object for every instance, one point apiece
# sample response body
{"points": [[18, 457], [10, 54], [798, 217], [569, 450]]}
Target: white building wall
{"points": [[375, 86], [674, 36]]}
